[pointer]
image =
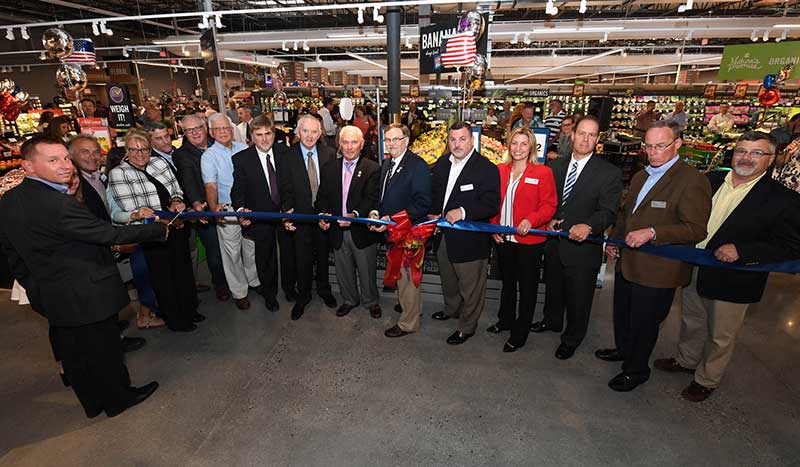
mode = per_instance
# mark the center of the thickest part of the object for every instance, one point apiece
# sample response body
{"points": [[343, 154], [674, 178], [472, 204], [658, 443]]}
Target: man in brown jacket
{"points": [[669, 202]]}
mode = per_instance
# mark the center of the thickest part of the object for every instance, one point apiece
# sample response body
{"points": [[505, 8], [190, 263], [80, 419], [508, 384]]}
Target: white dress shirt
{"points": [[262, 158], [327, 121], [581, 165], [455, 170]]}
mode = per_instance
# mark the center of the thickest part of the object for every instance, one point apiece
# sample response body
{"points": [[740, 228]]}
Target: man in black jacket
{"points": [[256, 171], [187, 161], [466, 186], [299, 184], [61, 254], [349, 188], [754, 220]]}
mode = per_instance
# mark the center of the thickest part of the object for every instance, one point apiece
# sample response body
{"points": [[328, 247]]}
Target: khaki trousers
{"points": [[411, 300], [464, 289], [238, 258], [708, 334]]}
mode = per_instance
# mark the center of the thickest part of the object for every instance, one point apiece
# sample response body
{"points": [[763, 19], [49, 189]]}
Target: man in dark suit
{"points": [[754, 220], [61, 254], [589, 191], [299, 184], [349, 188], [668, 204], [466, 186], [85, 154], [255, 188], [405, 184], [187, 161]]}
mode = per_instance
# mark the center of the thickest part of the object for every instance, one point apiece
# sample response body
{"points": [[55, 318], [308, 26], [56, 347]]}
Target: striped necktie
{"points": [[571, 179]]}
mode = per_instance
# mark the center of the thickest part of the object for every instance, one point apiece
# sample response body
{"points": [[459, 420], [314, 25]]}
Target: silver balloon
{"points": [[7, 85], [473, 22], [71, 77], [281, 97], [22, 98], [478, 69], [58, 43]]}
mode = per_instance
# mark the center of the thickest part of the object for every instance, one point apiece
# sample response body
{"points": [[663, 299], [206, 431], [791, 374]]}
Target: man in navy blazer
{"points": [[405, 184], [754, 220], [466, 186]]}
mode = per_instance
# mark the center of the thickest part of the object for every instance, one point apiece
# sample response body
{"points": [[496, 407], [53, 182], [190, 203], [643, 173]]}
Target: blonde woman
{"points": [[527, 201]]}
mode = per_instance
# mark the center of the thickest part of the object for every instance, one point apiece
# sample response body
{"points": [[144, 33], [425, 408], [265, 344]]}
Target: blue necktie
{"points": [[571, 179]]}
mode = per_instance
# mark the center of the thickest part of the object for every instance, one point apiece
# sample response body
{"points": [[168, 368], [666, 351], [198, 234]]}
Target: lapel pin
{"points": [[359, 174]]}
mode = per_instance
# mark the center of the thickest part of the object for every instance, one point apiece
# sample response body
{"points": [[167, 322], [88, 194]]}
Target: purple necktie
{"points": [[273, 183], [348, 176]]}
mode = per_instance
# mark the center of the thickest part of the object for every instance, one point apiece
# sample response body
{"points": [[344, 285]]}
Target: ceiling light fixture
{"points": [[218, 22], [376, 15], [527, 39], [319, 59], [295, 45], [10, 34], [515, 39], [582, 7], [24, 33], [765, 38], [361, 16], [689, 35], [784, 34], [550, 8], [95, 29], [753, 36], [688, 6], [605, 37], [305, 46], [283, 46], [408, 42], [125, 52], [624, 53], [204, 24]]}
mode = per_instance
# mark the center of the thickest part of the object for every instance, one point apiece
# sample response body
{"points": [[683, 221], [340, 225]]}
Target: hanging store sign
{"points": [[753, 61], [432, 39], [741, 91], [537, 92], [578, 89], [710, 91], [120, 111]]}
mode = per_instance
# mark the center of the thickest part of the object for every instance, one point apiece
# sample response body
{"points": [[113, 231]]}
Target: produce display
{"points": [[701, 155], [431, 145]]}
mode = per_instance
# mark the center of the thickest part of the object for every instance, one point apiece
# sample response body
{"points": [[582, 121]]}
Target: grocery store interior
{"points": [[258, 389]]}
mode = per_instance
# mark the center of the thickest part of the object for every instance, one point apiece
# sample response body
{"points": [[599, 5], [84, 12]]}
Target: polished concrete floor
{"points": [[254, 388]]}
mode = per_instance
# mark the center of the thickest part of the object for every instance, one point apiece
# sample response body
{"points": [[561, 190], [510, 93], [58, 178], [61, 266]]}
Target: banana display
{"points": [[431, 145]]}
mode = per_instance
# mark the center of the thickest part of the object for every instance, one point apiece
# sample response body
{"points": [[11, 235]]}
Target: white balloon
{"points": [[346, 108]]}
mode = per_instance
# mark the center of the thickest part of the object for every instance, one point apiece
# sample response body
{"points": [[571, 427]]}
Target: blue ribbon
{"points": [[696, 256]]}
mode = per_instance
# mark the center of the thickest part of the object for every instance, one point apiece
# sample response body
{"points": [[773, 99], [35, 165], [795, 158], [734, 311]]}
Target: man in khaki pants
{"points": [[405, 184], [754, 220]]}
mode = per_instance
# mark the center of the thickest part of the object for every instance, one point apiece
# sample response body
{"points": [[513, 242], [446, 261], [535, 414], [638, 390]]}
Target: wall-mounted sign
{"points": [[537, 92], [754, 61]]}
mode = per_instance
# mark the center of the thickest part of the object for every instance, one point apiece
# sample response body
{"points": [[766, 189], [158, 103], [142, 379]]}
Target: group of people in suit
{"points": [[742, 217]]}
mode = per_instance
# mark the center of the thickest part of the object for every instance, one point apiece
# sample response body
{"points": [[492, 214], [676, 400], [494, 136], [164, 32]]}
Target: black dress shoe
{"points": [[271, 303], [696, 392], [330, 301], [344, 310], [625, 382], [565, 352], [395, 331], [508, 348], [375, 311], [670, 365], [541, 326], [297, 311], [129, 344], [188, 328], [398, 308], [140, 395], [441, 316], [198, 317], [496, 328], [458, 337], [609, 355], [257, 289]]}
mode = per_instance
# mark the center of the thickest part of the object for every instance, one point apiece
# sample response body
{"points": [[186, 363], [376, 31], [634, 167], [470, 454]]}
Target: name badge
{"points": [[658, 204], [531, 181], [468, 187]]}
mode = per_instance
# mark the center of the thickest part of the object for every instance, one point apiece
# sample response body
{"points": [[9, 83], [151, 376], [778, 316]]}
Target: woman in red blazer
{"points": [[527, 201]]}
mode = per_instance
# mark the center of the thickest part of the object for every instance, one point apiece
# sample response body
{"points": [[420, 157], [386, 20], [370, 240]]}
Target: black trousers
{"points": [[170, 266], [570, 290], [311, 246], [267, 262], [91, 356], [638, 313], [519, 268]]}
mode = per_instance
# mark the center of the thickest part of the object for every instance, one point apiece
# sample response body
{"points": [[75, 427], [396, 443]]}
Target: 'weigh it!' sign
{"points": [[120, 113], [753, 61]]}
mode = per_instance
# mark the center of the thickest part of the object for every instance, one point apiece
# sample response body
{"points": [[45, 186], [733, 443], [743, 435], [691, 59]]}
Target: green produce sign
{"points": [[753, 61]]}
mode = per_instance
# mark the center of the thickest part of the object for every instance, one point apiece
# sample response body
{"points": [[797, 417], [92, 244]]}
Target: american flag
{"points": [[82, 52], [460, 50]]}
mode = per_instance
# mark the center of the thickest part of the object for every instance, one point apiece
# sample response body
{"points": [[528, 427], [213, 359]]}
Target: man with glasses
{"points": [[668, 204], [190, 176], [299, 185], [589, 191], [405, 185], [238, 252], [754, 220]]}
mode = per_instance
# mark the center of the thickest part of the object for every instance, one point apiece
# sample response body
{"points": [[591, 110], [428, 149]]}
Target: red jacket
{"points": [[534, 199]]}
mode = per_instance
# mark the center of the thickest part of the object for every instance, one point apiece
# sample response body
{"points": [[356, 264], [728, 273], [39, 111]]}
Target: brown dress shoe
{"points": [[243, 303], [375, 311], [671, 365], [696, 392], [223, 295]]}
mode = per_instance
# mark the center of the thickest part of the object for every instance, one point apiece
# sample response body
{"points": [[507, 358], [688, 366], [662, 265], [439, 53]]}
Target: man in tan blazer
{"points": [[669, 203]]}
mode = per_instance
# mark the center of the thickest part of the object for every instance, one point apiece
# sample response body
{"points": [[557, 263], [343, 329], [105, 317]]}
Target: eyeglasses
{"points": [[194, 129], [395, 140], [223, 129], [660, 147], [754, 153], [137, 150]]}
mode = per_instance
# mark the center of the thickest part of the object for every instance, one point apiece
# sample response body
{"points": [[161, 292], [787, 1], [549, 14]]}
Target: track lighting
{"points": [[605, 37], [766, 35], [185, 52], [319, 59], [554, 53], [204, 24], [408, 42], [688, 6], [24, 33], [376, 15], [582, 7], [515, 39], [689, 35], [95, 29], [105, 29], [105, 66], [784, 34], [218, 22], [527, 39], [283, 46], [10, 34], [753, 36], [42, 56], [550, 8], [295, 45], [360, 16], [624, 53], [305, 46], [125, 52]]}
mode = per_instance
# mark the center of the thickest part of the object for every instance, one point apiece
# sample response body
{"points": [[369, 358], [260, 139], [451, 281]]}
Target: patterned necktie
{"points": [[273, 183], [571, 179], [348, 176], [312, 176], [389, 174]]}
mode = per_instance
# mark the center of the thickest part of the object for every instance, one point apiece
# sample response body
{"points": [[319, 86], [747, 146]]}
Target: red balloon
{"points": [[11, 114], [769, 97], [7, 102]]}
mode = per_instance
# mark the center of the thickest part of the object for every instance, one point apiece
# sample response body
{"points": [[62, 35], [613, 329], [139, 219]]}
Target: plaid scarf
{"points": [[132, 190]]}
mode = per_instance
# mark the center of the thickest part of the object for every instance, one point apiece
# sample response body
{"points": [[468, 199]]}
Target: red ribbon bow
{"points": [[406, 248]]}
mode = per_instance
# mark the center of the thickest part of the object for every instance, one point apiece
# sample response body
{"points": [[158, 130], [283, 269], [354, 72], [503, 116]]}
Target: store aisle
{"points": [[253, 388]]}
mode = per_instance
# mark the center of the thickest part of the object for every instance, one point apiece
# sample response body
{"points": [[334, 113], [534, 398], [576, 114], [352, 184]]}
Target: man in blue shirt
{"points": [[529, 119], [238, 252]]}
